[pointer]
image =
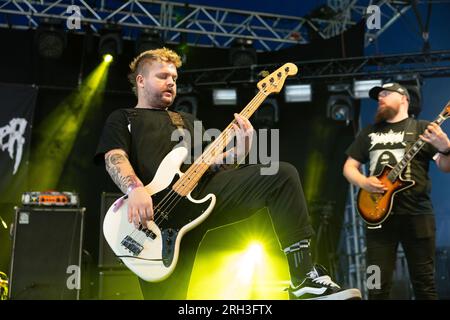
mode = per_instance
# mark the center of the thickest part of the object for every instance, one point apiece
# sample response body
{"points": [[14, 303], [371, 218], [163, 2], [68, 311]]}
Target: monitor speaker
{"points": [[46, 259]]}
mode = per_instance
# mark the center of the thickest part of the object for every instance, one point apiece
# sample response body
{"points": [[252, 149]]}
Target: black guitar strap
{"points": [[411, 133], [410, 137]]}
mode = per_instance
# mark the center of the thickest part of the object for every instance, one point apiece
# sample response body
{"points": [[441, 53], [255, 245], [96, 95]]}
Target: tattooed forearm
{"points": [[120, 170]]}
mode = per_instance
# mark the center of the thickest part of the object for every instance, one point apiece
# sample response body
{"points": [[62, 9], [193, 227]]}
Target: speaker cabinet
{"points": [[46, 253], [106, 257]]}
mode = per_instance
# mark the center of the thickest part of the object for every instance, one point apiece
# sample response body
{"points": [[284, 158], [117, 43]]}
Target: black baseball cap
{"points": [[393, 86]]}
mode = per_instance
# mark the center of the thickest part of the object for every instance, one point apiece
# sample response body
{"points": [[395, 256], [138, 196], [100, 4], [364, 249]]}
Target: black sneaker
{"points": [[319, 286]]}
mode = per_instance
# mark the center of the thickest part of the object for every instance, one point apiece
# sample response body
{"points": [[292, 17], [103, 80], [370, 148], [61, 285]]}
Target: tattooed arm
{"points": [[140, 206], [120, 170]]}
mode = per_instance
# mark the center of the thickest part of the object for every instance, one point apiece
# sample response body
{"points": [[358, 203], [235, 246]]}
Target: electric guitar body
{"points": [[374, 208]]}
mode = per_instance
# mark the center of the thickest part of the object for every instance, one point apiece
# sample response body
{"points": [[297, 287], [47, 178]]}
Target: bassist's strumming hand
{"points": [[140, 206]]}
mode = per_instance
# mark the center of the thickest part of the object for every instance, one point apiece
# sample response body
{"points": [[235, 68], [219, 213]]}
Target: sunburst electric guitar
{"points": [[151, 250], [375, 208]]}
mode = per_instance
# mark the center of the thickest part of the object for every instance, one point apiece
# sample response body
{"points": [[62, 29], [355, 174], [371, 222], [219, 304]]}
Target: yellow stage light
{"points": [[108, 58]]}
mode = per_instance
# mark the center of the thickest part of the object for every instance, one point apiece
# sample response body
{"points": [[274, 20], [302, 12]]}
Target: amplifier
{"points": [[46, 259], [50, 198]]}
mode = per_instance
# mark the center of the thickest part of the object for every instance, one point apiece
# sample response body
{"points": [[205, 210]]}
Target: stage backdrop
{"points": [[16, 115]]}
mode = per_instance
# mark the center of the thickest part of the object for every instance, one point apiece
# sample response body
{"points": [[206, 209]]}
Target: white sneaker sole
{"points": [[349, 294]]}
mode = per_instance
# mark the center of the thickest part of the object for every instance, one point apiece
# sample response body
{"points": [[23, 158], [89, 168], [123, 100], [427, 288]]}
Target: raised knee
{"points": [[287, 170]]}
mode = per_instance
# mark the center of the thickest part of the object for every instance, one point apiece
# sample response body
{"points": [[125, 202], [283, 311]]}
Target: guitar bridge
{"points": [[132, 245]]}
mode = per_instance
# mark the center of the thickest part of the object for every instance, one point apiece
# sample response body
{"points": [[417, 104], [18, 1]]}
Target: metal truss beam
{"points": [[427, 65], [201, 25]]}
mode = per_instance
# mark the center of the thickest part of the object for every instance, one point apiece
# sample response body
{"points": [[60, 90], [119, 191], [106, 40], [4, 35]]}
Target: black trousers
{"points": [[416, 233], [240, 193]]}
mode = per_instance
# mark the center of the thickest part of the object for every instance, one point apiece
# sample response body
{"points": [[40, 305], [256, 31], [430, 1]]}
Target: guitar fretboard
{"points": [[272, 83], [411, 153]]}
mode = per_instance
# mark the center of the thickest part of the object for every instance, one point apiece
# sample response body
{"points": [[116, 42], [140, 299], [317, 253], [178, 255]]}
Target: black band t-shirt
{"points": [[146, 136]]}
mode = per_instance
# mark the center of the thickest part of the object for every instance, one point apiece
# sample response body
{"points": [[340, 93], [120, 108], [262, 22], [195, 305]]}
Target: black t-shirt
{"points": [[383, 144], [145, 135]]}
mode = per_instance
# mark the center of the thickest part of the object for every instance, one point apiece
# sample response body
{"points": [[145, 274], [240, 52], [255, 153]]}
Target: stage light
{"points": [[108, 58], [340, 108], [242, 53], [297, 93], [188, 104], [3, 223], [240, 261], [412, 83], [255, 251], [267, 115], [248, 262], [58, 131], [361, 87], [110, 43], [415, 105], [50, 40], [149, 39], [224, 97]]}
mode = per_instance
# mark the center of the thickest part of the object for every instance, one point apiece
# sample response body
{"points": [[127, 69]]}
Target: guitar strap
{"points": [[177, 121], [411, 133], [410, 137]]}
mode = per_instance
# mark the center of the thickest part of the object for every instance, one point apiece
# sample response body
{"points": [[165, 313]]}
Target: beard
{"points": [[158, 100], [385, 113]]}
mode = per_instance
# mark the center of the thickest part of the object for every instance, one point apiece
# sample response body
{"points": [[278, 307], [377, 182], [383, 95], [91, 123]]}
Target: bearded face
{"points": [[388, 105]]}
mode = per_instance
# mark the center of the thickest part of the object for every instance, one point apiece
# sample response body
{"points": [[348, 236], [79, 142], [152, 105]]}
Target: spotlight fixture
{"points": [[340, 108], [188, 104], [242, 53], [267, 115], [149, 39], [412, 83], [50, 40], [108, 58], [110, 43]]}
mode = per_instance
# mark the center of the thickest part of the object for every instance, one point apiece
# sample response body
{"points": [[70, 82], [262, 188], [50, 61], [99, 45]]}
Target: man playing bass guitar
{"points": [[134, 143]]}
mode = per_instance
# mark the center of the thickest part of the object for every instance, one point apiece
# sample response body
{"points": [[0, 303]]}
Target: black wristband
{"points": [[445, 153]]}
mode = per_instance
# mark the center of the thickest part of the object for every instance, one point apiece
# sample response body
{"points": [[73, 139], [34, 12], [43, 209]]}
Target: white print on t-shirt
{"points": [[383, 155], [389, 137]]}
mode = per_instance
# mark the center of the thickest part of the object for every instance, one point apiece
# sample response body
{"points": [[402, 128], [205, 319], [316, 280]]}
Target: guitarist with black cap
{"points": [[411, 221]]}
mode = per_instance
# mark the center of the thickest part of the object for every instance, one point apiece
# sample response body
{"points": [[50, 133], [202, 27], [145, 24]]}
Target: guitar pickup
{"points": [[150, 234], [132, 245]]}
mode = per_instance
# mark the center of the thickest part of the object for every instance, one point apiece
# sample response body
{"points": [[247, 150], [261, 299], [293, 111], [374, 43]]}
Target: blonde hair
{"points": [[138, 64]]}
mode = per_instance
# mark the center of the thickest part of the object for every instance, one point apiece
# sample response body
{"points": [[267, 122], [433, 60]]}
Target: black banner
{"points": [[16, 115]]}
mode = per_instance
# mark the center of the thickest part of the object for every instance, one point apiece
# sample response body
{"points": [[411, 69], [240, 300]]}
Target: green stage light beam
{"points": [[58, 131]]}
